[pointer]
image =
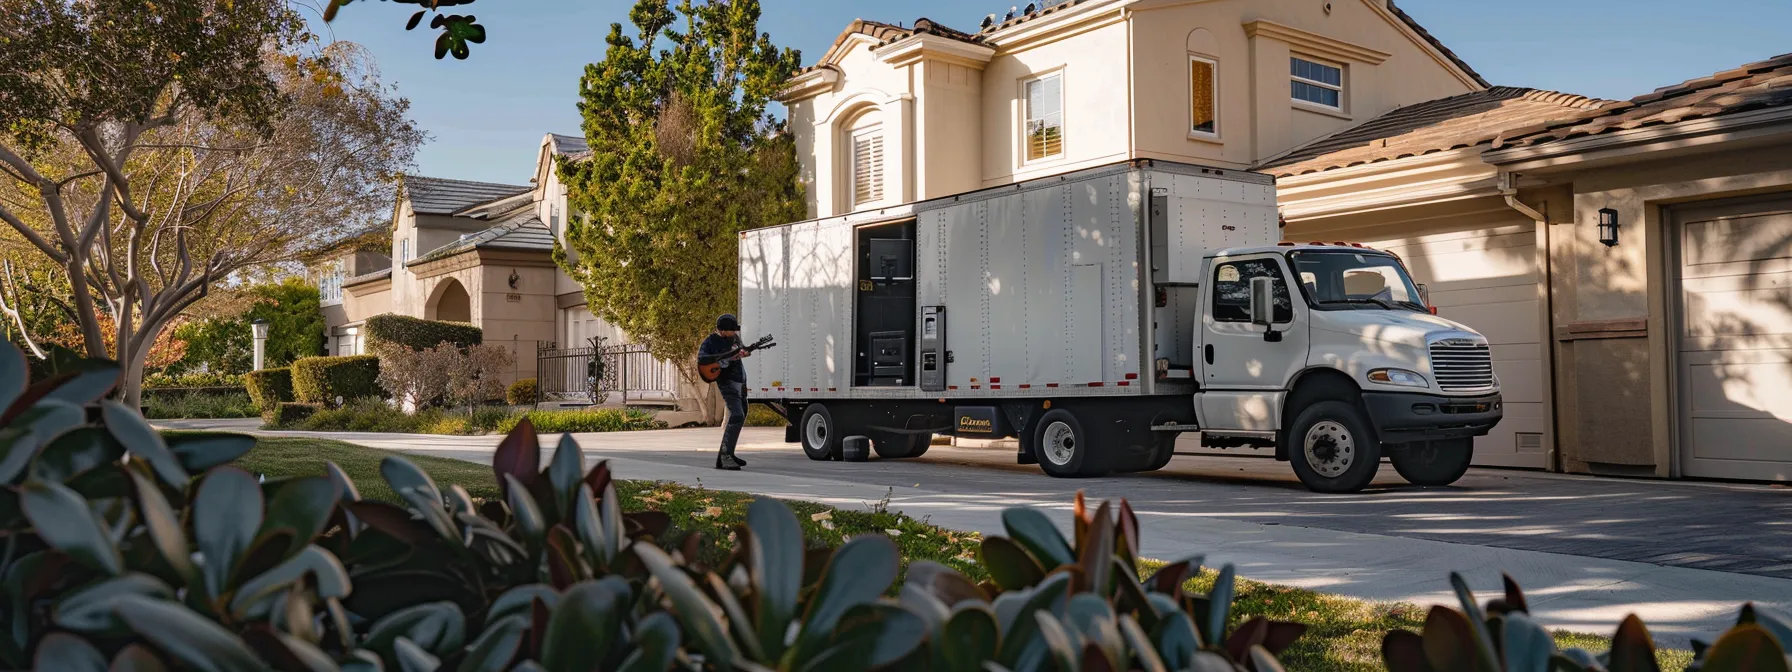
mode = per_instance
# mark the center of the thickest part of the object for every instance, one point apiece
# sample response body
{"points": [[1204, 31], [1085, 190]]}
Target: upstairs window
{"points": [[1045, 117], [329, 283], [554, 219], [1204, 95], [867, 166], [404, 250], [1316, 83]]}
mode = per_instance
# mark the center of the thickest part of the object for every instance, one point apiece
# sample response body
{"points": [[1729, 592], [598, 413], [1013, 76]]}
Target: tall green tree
{"points": [[223, 343], [683, 158]]}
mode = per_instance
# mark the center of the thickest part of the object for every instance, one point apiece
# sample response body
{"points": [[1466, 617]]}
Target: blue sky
{"points": [[486, 115]]}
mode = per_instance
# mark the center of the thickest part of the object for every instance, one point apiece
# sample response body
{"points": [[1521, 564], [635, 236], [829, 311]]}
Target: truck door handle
{"points": [[1210, 353]]}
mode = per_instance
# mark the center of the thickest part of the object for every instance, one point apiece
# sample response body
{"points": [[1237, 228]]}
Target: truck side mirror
{"points": [[1424, 294], [1263, 301]]}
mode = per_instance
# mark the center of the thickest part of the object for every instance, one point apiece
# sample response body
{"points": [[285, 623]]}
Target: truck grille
{"points": [[1461, 365]]}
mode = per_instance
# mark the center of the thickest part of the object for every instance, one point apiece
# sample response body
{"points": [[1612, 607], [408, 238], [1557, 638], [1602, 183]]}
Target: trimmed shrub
{"points": [[268, 387], [199, 403], [584, 420], [758, 415], [416, 334], [192, 379], [521, 392], [321, 380], [289, 413]]}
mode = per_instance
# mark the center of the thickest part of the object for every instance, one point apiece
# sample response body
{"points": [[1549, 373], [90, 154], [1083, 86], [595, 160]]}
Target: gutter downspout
{"points": [[1508, 188]]}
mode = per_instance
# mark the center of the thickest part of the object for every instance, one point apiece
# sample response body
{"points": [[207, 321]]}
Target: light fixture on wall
{"points": [[1608, 226], [513, 279]]}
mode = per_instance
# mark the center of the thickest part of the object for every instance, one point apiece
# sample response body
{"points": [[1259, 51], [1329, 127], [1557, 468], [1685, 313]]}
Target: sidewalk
{"points": [[1271, 531]]}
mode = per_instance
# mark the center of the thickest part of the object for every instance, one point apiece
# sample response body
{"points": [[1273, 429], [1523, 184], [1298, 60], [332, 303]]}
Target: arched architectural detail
{"points": [[449, 302], [1202, 42]]}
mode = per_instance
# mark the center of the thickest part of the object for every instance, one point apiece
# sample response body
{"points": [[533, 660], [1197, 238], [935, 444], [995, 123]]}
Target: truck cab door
{"points": [[1246, 366]]}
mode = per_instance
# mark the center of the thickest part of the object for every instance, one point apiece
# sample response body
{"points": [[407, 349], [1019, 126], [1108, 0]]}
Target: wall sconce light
{"points": [[513, 279], [1608, 226]]}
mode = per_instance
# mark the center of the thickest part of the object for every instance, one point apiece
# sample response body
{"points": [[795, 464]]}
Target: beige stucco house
{"points": [[481, 253], [1667, 354]]}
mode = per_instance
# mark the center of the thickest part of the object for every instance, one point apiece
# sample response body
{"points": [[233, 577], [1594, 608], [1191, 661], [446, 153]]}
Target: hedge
{"points": [[268, 387], [288, 413], [418, 334], [521, 392], [322, 380]]}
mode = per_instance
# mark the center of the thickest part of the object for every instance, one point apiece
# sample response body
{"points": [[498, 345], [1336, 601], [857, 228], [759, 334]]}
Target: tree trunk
{"points": [[709, 401]]}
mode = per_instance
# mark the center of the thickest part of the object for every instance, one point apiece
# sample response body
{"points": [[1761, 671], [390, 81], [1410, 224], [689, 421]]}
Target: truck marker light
{"points": [[1048, 404], [995, 387], [1132, 376], [1051, 384], [1096, 384], [1026, 386], [995, 380], [1123, 383], [951, 387]]}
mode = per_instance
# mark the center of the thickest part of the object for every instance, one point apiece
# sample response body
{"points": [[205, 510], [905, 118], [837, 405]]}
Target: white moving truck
{"points": [[1097, 315]]}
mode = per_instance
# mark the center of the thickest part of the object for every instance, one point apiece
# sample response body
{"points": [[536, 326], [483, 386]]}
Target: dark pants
{"points": [[734, 395]]}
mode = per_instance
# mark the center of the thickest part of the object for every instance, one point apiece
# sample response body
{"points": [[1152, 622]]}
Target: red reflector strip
{"points": [[995, 387], [832, 389], [1132, 376], [995, 380], [1051, 384], [1123, 383], [1096, 384], [1026, 386], [951, 387], [976, 387]]}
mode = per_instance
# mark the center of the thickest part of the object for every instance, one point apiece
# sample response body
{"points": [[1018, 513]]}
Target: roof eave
{"points": [[1696, 133]]}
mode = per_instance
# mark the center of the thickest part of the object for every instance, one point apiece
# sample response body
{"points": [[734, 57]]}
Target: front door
{"points": [[1244, 371]]}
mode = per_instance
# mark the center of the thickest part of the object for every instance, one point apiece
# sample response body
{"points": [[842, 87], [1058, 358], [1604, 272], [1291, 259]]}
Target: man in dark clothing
{"points": [[724, 346]]}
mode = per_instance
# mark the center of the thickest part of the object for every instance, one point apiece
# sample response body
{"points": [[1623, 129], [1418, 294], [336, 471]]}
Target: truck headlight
{"points": [[1400, 377]]}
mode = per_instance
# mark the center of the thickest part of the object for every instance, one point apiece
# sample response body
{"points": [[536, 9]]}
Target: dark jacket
{"points": [[716, 348]]}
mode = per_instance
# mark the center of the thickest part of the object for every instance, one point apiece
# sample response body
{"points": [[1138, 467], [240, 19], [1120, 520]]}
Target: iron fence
{"points": [[595, 373]]}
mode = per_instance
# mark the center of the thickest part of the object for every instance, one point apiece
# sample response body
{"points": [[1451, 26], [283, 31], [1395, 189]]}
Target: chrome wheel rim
{"points": [[1330, 449], [816, 431], [1060, 443]]}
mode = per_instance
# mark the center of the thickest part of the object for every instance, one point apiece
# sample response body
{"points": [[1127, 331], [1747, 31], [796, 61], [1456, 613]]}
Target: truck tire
{"points": [[1332, 447], [901, 446], [1063, 446], [1433, 462], [1166, 449], [820, 434]]}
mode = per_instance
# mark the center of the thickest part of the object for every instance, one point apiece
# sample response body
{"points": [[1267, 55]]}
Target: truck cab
{"points": [[1331, 354]]}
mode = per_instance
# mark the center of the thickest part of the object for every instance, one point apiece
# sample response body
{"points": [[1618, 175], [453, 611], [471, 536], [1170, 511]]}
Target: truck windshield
{"points": [[1355, 280]]}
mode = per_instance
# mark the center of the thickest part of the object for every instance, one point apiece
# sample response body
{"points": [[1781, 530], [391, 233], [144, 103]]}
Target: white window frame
{"points": [[329, 284], [1339, 87], [404, 249], [852, 166], [1214, 64], [1026, 120]]}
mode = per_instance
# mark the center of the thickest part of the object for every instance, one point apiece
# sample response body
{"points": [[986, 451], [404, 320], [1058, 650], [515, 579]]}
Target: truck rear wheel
{"points": [[1433, 462], [901, 446], [1332, 448], [1063, 446], [820, 434]]}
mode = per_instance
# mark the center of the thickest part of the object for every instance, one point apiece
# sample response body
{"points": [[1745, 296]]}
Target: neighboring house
{"points": [[480, 253], [1666, 353]]}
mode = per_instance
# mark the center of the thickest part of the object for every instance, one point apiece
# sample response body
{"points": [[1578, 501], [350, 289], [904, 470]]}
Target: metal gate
{"points": [[595, 373]]}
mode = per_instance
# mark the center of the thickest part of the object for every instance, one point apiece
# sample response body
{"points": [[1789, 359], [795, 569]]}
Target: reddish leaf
{"points": [[1079, 519], [1129, 531], [693, 544], [646, 523], [563, 558], [1632, 648], [1747, 647], [599, 478], [1249, 634], [1169, 579], [1095, 660], [1514, 596], [519, 455], [1098, 550], [1449, 641], [393, 521], [538, 626], [814, 561], [493, 510], [1282, 634], [1404, 651], [268, 551]]}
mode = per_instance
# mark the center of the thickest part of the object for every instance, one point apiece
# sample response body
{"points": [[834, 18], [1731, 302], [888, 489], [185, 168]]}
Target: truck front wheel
{"points": [[820, 434], [1332, 448], [1433, 462], [1063, 446]]}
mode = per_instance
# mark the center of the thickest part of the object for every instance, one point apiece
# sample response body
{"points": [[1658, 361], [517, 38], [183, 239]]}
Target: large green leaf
{"points": [[1176, 640], [656, 645], [402, 475], [86, 381], [1034, 532], [968, 637], [1219, 606], [516, 601], [1477, 619], [21, 439], [695, 611], [1059, 643], [332, 580], [436, 627], [585, 625], [188, 637], [776, 570], [522, 506], [1747, 647], [860, 571], [199, 452], [1528, 648], [144, 441], [1020, 633], [585, 519], [89, 609], [1009, 565], [136, 658], [497, 646], [164, 526], [63, 521], [944, 583], [871, 636], [565, 472], [303, 505], [412, 658], [64, 652], [75, 453], [1143, 650], [432, 513], [226, 513]]}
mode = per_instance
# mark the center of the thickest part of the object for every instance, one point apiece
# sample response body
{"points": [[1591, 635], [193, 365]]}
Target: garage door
{"points": [[1487, 279], [1736, 341]]}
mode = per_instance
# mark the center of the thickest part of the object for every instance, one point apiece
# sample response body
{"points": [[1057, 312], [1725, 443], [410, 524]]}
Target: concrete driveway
{"points": [[1682, 555]]}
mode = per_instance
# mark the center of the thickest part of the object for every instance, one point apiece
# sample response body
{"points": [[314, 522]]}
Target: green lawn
{"points": [[1344, 634]]}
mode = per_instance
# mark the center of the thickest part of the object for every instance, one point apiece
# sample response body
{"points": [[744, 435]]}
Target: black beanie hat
{"points": [[727, 323]]}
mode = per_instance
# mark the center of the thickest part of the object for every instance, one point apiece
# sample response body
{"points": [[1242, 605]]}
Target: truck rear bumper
{"points": [[1403, 417]]}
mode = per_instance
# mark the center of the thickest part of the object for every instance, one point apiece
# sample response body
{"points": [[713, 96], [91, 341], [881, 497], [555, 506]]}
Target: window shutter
{"points": [[867, 168]]}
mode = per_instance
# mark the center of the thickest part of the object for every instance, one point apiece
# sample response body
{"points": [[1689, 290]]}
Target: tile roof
{"points": [[569, 144], [501, 208], [442, 196], [1436, 43], [1754, 86], [368, 277], [885, 33], [526, 232], [1433, 126], [1034, 10]]}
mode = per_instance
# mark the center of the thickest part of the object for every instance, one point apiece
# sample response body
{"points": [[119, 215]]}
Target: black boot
{"points": [[728, 463]]}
